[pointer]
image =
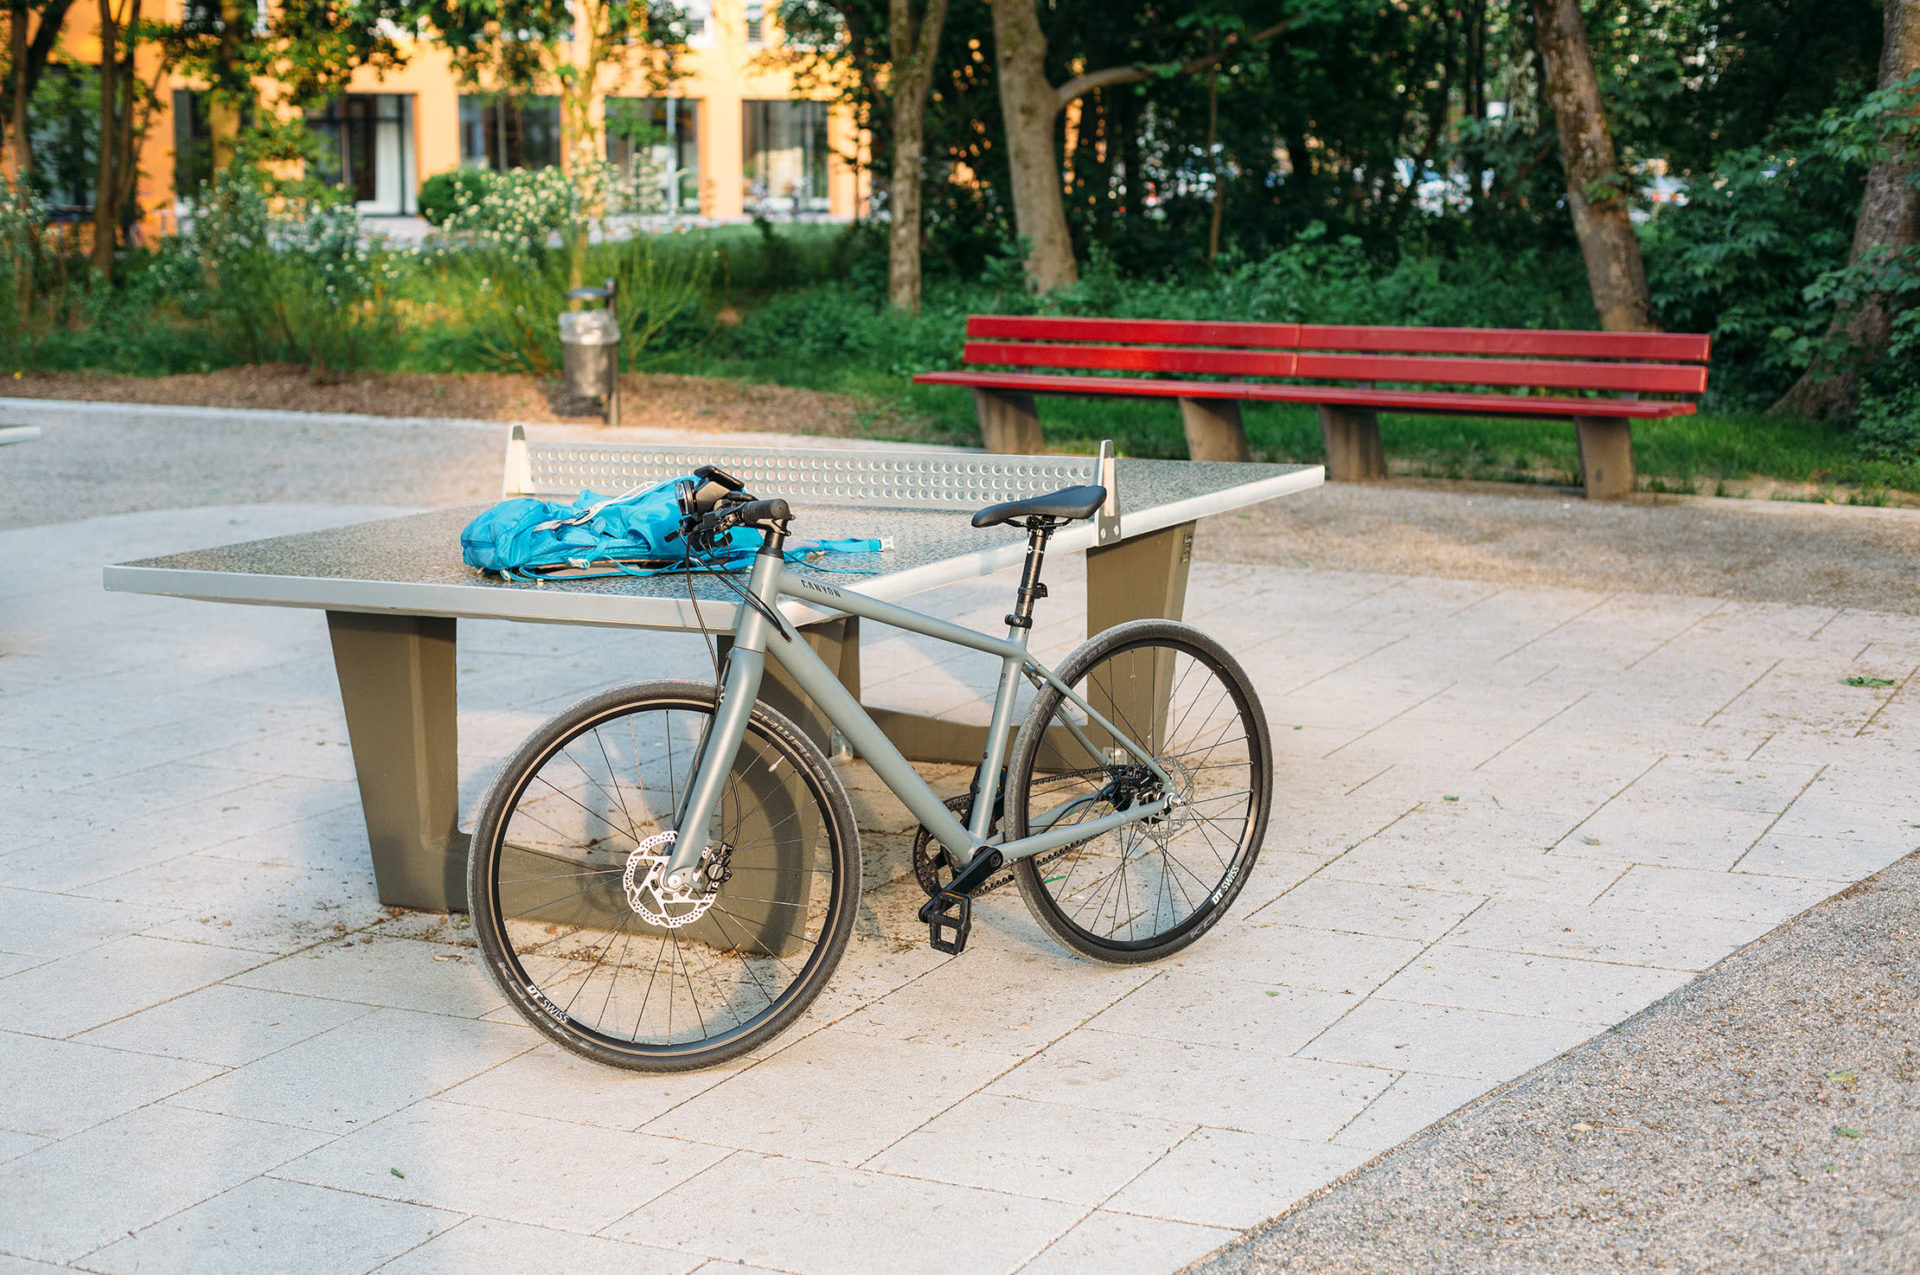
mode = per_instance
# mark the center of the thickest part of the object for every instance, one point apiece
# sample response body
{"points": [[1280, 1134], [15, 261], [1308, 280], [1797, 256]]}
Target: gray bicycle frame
{"points": [[755, 637]]}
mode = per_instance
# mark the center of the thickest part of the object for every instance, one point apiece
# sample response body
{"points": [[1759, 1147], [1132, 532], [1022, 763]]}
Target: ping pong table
{"points": [[394, 591]]}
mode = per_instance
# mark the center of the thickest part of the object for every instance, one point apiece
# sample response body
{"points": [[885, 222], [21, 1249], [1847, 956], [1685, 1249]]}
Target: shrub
{"points": [[445, 194], [287, 273]]}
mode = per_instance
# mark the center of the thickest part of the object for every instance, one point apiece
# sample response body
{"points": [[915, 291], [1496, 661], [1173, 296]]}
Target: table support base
{"points": [[397, 683]]}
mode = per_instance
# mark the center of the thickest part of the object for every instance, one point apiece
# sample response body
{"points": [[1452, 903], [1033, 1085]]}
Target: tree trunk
{"points": [[1213, 163], [1029, 105], [1889, 222], [106, 215], [223, 104], [1596, 188], [20, 151], [914, 52], [903, 206]]}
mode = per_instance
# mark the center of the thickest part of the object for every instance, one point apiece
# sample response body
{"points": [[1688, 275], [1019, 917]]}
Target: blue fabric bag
{"points": [[635, 534]]}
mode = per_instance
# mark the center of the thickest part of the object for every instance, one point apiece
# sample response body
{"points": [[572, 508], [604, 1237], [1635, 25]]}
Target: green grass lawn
{"points": [[1703, 454]]}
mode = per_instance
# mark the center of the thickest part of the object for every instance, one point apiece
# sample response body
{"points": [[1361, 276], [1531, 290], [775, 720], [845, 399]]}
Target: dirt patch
{"points": [[1771, 551], [656, 401]]}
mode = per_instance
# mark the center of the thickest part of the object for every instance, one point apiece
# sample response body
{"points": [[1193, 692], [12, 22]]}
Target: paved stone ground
{"points": [[1510, 817], [1761, 1119]]}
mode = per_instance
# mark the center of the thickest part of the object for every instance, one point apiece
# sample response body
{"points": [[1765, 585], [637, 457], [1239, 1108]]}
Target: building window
{"points": [[502, 133], [664, 131], [756, 23], [367, 148], [785, 145], [696, 21], [192, 143]]}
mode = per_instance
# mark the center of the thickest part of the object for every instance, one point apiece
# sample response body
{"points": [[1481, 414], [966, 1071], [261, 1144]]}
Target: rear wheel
{"points": [[578, 929], [1145, 890]]}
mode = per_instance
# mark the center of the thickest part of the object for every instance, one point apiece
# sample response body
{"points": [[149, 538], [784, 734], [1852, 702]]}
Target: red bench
{"points": [[1595, 378]]}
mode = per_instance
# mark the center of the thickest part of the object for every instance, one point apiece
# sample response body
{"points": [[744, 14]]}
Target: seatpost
{"points": [[1031, 590]]}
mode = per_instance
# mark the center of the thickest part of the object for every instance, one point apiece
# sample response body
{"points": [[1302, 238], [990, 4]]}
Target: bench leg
{"points": [[1606, 456], [397, 683], [837, 643], [1352, 438], [1009, 422], [1214, 429]]}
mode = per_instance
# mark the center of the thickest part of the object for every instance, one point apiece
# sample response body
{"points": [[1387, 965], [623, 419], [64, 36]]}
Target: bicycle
{"points": [[665, 875]]}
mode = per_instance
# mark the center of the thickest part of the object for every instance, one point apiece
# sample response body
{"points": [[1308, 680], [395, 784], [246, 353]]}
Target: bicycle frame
{"points": [[755, 637]]}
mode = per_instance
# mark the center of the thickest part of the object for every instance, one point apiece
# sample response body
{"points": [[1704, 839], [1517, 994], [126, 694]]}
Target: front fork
{"points": [[721, 742]]}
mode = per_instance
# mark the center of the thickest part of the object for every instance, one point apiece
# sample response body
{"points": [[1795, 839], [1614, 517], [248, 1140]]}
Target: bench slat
{"points": [[1450, 402], [1654, 378], [1018, 327], [1130, 358], [1659, 347]]}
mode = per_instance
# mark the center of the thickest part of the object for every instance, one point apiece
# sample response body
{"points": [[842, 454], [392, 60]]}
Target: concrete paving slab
{"points": [[819, 1219], [1450, 732], [269, 1227], [511, 1248], [517, 1168]]}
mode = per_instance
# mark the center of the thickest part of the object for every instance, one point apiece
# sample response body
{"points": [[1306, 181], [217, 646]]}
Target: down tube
{"points": [[844, 711]]}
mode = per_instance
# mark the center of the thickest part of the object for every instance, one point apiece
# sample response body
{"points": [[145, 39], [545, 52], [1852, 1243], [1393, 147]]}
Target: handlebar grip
{"points": [[759, 511]]}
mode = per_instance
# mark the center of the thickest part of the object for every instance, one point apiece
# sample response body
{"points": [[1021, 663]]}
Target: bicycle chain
{"points": [[929, 859]]}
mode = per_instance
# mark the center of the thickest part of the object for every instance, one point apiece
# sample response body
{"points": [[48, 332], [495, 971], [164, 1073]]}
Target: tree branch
{"points": [[1081, 85]]}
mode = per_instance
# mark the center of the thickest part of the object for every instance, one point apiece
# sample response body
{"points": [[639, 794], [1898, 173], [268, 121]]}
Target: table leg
{"points": [[397, 683], [1138, 579], [1141, 578]]}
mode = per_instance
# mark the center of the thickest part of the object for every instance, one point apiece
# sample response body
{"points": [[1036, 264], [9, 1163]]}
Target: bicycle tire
{"points": [[744, 965], [1166, 902]]}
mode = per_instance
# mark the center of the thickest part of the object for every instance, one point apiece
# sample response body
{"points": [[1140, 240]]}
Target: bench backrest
{"points": [[1625, 362]]}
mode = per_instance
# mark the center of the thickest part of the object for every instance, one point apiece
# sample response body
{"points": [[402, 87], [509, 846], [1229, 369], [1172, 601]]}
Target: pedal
{"points": [[949, 911]]}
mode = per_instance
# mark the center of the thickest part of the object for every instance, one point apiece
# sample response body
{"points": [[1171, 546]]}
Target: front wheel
{"points": [[1144, 890], [582, 936]]}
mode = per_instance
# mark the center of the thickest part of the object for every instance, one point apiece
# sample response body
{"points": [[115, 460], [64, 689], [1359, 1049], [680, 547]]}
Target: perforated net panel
{"points": [[813, 477]]}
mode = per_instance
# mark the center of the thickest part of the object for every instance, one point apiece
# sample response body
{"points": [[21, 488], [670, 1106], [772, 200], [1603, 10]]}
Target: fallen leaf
{"points": [[1846, 1132], [1869, 681], [396, 1173]]}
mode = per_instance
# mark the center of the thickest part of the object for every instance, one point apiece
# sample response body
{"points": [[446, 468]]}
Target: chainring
{"points": [[933, 866]]}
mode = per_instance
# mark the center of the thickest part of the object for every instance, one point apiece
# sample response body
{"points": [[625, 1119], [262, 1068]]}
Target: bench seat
{"points": [[1444, 402], [1599, 380]]}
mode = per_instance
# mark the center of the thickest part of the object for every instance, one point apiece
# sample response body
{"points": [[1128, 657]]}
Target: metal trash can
{"points": [[590, 349], [585, 336]]}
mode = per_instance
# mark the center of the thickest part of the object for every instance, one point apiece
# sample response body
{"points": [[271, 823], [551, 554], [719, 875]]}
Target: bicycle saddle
{"points": [[1069, 504]]}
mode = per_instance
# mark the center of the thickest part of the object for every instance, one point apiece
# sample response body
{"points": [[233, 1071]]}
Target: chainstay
{"points": [[1006, 878]]}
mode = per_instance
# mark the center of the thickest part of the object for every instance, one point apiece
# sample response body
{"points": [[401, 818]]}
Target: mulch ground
{"points": [[659, 401]]}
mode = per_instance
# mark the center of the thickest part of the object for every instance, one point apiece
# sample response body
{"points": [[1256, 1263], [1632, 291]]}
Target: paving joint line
{"points": [[1708, 721], [1813, 779], [1891, 696]]}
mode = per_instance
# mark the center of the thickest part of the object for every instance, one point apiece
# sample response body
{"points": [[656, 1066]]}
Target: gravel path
{"points": [[1764, 1118]]}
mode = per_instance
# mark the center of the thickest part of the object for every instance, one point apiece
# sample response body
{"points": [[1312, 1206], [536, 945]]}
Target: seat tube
{"points": [[745, 666], [999, 735]]}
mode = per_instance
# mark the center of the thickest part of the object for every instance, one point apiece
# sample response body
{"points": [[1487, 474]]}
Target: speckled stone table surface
{"points": [[412, 565]]}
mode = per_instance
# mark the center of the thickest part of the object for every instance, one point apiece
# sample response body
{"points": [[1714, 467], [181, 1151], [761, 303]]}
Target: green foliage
{"points": [[287, 273], [445, 194], [1738, 258]]}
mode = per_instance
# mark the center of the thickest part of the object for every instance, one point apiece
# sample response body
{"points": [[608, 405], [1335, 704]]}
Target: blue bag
{"points": [[635, 534]]}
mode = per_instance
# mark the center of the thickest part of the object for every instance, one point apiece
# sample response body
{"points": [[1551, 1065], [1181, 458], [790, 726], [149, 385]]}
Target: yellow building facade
{"points": [[729, 134]]}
